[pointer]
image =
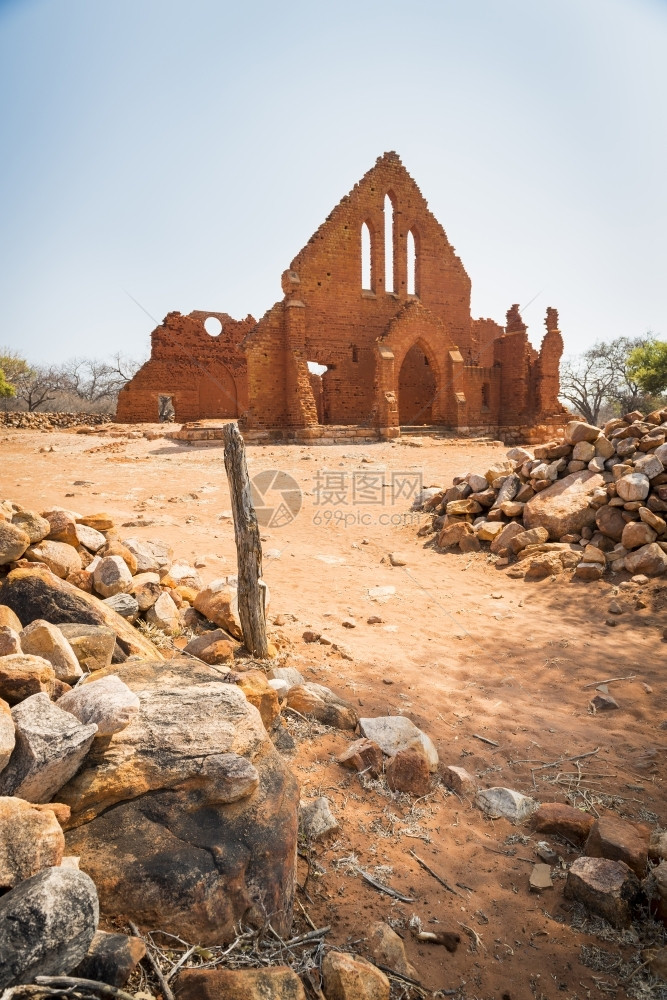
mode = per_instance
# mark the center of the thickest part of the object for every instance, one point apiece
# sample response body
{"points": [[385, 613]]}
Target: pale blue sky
{"points": [[185, 151]]}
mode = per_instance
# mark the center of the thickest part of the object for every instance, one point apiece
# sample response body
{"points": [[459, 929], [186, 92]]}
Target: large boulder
{"points": [[650, 560], [46, 925], [107, 702], [188, 819], [22, 675], [278, 982], [43, 639], [564, 508], [34, 592], [7, 737], [13, 542]]}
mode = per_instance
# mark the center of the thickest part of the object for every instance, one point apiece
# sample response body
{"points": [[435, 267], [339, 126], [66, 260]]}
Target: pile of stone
{"points": [[49, 421], [140, 581], [593, 502]]}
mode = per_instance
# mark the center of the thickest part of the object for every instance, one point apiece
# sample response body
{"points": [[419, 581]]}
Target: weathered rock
{"points": [[453, 534], [535, 536], [111, 958], [583, 451], [486, 531], [316, 820], [50, 746], [198, 645], [470, 543], [10, 642], [89, 537], [164, 614], [649, 466], [41, 638], [152, 557], [388, 949], [31, 839], [395, 732], [8, 619], [107, 702], [259, 693], [289, 674], [577, 431], [603, 702], [100, 521], [564, 507], [93, 645], [112, 576], [278, 982], [116, 548], [62, 527], [505, 802], [633, 486], [46, 925], [460, 781], [13, 542], [589, 570], [563, 820], [650, 560], [188, 820], [540, 878], [219, 603], [22, 675], [323, 704], [503, 539], [362, 756], [125, 605], [636, 534], [408, 771], [62, 559], [658, 524], [605, 887], [349, 977], [181, 574], [35, 526], [37, 593], [617, 839], [459, 508], [543, 565], [146, 591], [7, 738], [610, 522]]}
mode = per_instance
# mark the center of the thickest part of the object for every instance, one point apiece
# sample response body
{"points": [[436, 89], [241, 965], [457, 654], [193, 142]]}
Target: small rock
{"points": [[388, 949], [100, 522], [50, 746], [280, 687], [563, 820], [152, 557], [397, 559], [164, 614], [107, 702], [112, 576], [506, 802], [22, 675], [649, 560], [577, 431], [31, 839], [9, 619], [633, 486], [146, 591], [7, 738], [41, 638], [125, 605], [460, 781], [636, 534], [349, 623], [395, 732], [316, 820], [408, 771], [349, 977], [111, 958], [35, 526], [277, 982], [289, 674], [62, 559], [90, 538], [540, 878], [607, 888], [46, 925], [375, 620], [603, 703], [93, 645], [10, 643], [219, 603], [323, 704], [201, 645], [619, 840], [13, 542], [362, 756], [259, 693]]}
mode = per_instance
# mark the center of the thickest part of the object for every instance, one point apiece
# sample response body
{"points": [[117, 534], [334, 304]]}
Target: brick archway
{"points": [[217, 393], [417, 387]]}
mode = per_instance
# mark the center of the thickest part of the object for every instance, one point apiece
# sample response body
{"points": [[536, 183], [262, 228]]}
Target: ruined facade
{"points": [[379, 298]]}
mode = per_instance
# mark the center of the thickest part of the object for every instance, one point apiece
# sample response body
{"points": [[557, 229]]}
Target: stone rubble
{"points": [[591, 503]]}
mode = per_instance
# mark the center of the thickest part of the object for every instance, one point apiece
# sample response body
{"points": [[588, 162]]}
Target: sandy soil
{"points": [[462, 650]]}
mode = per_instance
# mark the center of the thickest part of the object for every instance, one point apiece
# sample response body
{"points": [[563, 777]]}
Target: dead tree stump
{"points": [[248, 545]]}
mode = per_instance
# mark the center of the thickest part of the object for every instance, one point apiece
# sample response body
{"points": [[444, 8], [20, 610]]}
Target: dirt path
{"points": [[463, 650]]}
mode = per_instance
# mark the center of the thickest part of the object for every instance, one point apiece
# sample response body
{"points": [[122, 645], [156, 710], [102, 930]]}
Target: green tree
{"points": [[648, 366], [6, 388], [13, 365]]}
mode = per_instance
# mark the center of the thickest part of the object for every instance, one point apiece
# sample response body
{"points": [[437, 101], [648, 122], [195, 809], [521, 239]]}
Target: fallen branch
{"points": [[72, 982], [435, 875], [384, 888], [472, 933], [155, 965], [492, 743], [609, 680]]}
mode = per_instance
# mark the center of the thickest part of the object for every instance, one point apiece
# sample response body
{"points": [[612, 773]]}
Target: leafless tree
{"points": [[598, 382]]}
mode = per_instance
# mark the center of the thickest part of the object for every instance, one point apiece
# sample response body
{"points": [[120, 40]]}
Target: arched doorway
{"points": [[416, 388], [217, 393]]}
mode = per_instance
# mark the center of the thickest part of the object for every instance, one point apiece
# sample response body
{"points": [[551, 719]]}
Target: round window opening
{"points": [[213, 326]]}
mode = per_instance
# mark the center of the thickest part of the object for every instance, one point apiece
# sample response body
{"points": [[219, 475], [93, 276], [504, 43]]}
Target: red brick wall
{"points": [[204, 375]]}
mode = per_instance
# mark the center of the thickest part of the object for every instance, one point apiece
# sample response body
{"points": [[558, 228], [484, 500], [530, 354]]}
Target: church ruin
{"points": [[374, 332]]}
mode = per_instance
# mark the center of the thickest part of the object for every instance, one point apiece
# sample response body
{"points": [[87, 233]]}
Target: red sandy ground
{"points": [[462, 650]]}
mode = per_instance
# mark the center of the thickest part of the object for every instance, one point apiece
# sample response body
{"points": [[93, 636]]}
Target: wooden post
{"points": [[248, 545]]}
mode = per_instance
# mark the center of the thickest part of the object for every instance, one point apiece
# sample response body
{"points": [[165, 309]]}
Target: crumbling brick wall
{"points": [[204, 375]]}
